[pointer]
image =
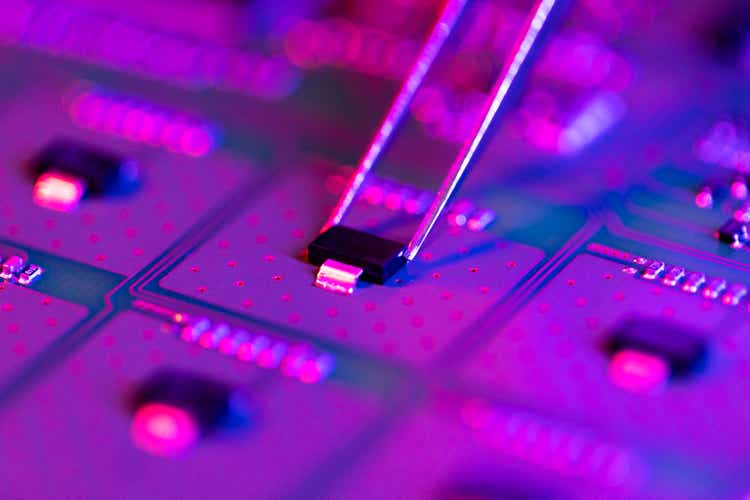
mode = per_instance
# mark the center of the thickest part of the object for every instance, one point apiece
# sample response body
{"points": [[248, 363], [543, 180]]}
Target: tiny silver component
{"points": [[12, 266], [653, 270], [673, 275], [210, 339], [229, 345], [693, 282], [337, 277], [714, 287], [248, 351], [29, 274], [481, 219], [460, 212], [734, 294], [271, 357], [192, 331], [417, 202]]}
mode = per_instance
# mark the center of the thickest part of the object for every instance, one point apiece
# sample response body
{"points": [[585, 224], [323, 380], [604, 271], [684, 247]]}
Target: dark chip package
{"points": [[101, 172]]}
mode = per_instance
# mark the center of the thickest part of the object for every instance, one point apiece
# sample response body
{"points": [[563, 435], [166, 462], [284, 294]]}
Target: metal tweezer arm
{"points": [[515, 68]]}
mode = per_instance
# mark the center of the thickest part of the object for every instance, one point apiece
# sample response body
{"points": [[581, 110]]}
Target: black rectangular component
{"points": [[102, 172], [733, 232], [682, 349], [379, 258]]}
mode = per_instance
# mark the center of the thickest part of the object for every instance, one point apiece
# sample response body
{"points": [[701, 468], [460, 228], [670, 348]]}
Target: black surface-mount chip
{"points": [[682, 349], [378, 257], [100, 172], [208, 401]]}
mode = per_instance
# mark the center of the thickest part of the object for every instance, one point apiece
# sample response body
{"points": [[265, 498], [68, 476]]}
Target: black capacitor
{"points": [[211, 403], [103, 172], [379, 258], [682, 349]]}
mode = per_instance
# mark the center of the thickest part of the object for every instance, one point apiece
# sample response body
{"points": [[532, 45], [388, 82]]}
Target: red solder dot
{"points": [[341, 333], [427, 343]]}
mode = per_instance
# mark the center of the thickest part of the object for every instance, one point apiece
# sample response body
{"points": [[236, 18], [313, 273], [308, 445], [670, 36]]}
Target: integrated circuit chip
{"points": [[679, 347]]}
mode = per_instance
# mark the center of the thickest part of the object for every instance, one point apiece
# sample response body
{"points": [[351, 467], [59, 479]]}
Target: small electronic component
{"points": [[210, 339], [733, 232], [29, 274], [378, 258], [653, 270], [714, 287], [12, 266], [191, 406], [683, 351], [734, 294], [459, 213], [693, 282], [66, 171], [481, 219], [673, 275], [191, 332]]}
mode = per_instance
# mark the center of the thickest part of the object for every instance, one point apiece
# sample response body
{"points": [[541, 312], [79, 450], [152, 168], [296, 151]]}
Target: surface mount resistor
{"points": [[481, 219], [12, 266], [653, 270], [714, 287], [673, 275], [734, 294], [29, 274], [693, 282]]}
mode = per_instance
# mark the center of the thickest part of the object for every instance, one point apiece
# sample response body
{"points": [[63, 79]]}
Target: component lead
{"points": [[653, 270], [693, 282], [714, 287], [12, 266], [337, 277]]}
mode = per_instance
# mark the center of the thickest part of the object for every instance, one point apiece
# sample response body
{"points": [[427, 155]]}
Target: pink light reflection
{"points": [[638, 372], [57, 191], [163, 430]]}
